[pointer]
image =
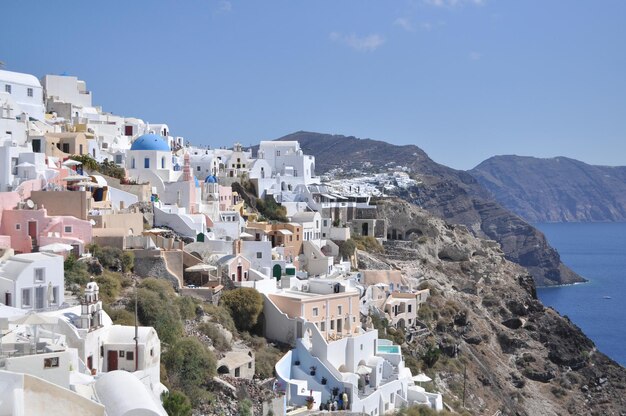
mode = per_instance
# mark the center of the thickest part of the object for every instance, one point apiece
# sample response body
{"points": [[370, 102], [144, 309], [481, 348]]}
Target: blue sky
{"points": [[462, 79]]}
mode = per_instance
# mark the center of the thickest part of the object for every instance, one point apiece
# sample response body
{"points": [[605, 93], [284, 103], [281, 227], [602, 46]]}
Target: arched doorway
{"points": [[277, 271]]}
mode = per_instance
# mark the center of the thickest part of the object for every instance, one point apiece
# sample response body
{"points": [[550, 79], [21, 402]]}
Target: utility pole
{"points": [[137, 331]]}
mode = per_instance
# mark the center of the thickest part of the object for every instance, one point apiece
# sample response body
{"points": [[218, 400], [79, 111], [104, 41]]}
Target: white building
{"points": [[33, 281], [26, 92]]}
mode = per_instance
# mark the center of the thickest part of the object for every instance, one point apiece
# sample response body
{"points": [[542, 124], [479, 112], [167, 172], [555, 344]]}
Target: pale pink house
{"points": [[235, 267], [226, 198], [28, 228]]}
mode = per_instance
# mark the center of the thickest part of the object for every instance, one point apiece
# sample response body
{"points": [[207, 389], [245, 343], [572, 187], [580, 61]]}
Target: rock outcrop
{"points": [[521, 358], [555, 190], [447, 193]]}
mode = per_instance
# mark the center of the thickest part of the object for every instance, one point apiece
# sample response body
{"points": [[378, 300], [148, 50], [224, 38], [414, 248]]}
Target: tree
{"points": [[346, 248], [189, 364], [176, 403], [245, 305]]}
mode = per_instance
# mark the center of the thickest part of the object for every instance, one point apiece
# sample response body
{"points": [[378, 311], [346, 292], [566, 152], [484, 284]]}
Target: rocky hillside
{"points": [[450, 194], [555, 190], [484, 317]]}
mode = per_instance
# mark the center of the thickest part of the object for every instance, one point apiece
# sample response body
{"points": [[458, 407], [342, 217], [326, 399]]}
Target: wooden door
{"points": [[111, 360], [32, 229]]}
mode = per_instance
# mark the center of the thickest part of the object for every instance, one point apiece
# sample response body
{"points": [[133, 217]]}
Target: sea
{"points": [[596, 251]]}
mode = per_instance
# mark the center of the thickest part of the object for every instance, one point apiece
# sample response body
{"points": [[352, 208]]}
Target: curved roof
{"points": [[210, 179], [150, 142], [123, 394], [19, 78]]}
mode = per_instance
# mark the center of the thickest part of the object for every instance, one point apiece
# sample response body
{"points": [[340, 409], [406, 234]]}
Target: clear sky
{"points": [[462, 79]]}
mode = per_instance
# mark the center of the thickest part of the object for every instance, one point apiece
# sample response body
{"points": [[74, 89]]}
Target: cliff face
{"points": [[450, 194], [520, 357], [555, 190]]}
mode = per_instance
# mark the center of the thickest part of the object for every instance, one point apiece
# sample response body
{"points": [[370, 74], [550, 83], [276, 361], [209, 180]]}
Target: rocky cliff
{"points": [[450, 194], [519, 357], [555, 190]]}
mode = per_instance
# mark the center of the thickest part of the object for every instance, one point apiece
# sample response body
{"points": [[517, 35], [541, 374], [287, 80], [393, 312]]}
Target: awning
{"points": [[284, 232]]}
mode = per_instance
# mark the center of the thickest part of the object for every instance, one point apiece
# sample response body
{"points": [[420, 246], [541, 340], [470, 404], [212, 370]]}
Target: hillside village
{"points": [[101, 214]]}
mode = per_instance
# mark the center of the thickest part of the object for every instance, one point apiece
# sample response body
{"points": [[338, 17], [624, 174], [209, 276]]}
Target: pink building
{"points": [[28, 228]]}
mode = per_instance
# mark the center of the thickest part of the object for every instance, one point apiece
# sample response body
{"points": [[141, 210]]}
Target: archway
{"points": [[277, 271], [223, 370]]}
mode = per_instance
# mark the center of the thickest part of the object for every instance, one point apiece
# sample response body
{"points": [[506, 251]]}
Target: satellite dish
{"points": [[30, 204]]}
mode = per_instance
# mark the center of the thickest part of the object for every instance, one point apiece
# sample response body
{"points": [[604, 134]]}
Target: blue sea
{"points": [[596, 251]]}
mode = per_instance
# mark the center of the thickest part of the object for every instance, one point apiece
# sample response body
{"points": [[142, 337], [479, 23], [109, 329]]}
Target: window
{"points": [[250, 364], [410, 308], [118, 159], [277, 152], [151, 352], [51, 362], [316, 311], [26, 299], [146, 163], [7, 88], [259, 255], [18, 226], [132, 163], [332, 325], [122, 354], [323, 328], [40, 275], [29, 92], [198, 169], [361, 347], [130, 355], [67, 229], [80, 149], [237, 372], [339, 310], [101, 350], [163, 162], [128, 130]]}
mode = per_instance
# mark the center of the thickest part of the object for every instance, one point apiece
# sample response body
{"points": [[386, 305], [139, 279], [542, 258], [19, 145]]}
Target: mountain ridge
{"points": [[453, 195], [558, 189]]}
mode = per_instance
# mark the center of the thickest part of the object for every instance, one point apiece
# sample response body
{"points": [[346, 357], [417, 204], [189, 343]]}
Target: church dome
{"points": [[150, 142], [210, 179]]}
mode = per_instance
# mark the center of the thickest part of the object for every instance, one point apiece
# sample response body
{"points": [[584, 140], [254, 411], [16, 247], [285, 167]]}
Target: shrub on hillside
{"points": [[245, 305], [176, 403], [189, 365], [213, 332]]}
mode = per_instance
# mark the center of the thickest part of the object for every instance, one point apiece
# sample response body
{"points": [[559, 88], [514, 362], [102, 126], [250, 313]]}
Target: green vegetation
{"points": [[121, 316], [245, 305], [212, 331], [271, 210], [347, 248], [369, 244], [156, 307], [176, 403], [422, 411], [431, 356], [221, 315], [76, 273], [245, 408], [113, 258], [189, 365], [108, 168]]}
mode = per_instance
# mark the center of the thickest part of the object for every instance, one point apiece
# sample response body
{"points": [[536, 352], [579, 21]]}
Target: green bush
{"points": [[271, 210], [431, 356], [156, 307], [75, 272], [347, 248], [245, 305], [189, 365], [369, 244], [176, 403], [221, 315], [265, 360], [186, 307], [110, 286], [245, 408], [213, 332], [121, 316]]}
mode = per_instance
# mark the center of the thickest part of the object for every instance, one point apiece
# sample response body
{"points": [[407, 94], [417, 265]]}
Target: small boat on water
{"points": [[607, 297]]}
